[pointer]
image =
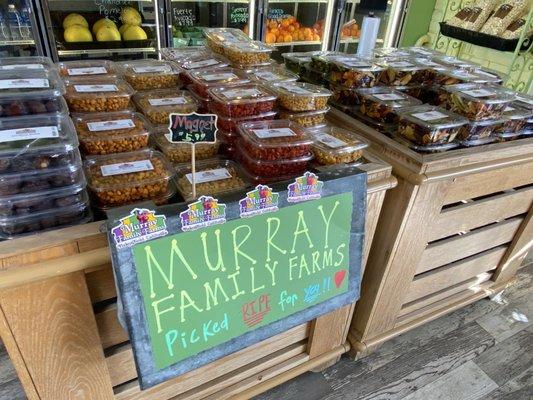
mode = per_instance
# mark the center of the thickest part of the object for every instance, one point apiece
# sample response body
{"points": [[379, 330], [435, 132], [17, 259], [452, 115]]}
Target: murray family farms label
{"points": [[204, 287]]}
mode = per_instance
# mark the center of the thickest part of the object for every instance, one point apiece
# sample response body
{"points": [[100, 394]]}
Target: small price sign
{"points": [[193, 128]]}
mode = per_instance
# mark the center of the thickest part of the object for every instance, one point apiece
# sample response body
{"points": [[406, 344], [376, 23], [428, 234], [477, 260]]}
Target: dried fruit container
{"points": [[296, 61], [15, 226], [182, 152], [334, 145], [525, 101], [97, 94], [242, 101], [109, 133], [322, 62], [275, 74], [429, 148], [306, 118], [25, 92], [150, 74], [428, 125], [515, 119], [476, 130], [490, 75], [183, 53], [207, 79], [157, 105], [213, 177], [247, 54], [231, 124], [478, 101], [458, 76], [119, 179], [355, 73], [402, 72], [311, 75], [274, 140], [299, 96], [382, 103], [26, 63], [78, 68], [343, 95], [269, 168]]}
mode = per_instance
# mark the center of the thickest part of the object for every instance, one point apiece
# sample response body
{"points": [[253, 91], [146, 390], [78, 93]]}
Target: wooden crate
{"points": [[453, 231], [59, 323]]}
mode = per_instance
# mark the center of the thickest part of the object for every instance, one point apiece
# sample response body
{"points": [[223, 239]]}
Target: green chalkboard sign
{"points": [[192, 297]]}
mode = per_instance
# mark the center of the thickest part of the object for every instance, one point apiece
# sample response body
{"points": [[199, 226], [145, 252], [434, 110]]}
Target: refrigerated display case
{"points": [[185, 19], [113, 29], [19, 29]]}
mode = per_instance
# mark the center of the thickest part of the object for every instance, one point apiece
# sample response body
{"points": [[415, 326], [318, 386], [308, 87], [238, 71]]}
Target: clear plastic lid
{"points": [[36, 134], [218, 77], [205, 61], [524, 100], [158, 104], [226, 35], [26, 63], [457, 76], [87, 68], [306, 119], [427, 62], [27, 84], [253, 53], [230, 124], [391, 52], [180, 54], [256, 166], [299, 96], [515, 111], [481, 93], [356, 65], [431, 117], [242, 95], [274, 134], [301, 57], [82, 89], [335, 141], [490, 75], [148, 67], [273, 74], [213, 177], [387, 97], [451, 61], [421, 51], [401, 64]]}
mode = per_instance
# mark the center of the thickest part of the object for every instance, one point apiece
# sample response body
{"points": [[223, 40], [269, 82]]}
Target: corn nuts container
{"points": [[157, 105], [298, 96], [334, 145], [97, 94], [150, 74], [182, 152]]}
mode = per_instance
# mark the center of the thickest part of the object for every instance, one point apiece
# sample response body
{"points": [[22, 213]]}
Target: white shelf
{"points": [[297, 43], [17, 42], [107, 51]]}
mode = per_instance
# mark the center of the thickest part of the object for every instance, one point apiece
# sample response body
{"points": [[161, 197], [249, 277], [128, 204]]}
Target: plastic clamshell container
{"points": [[203, 102], [98, 94], [157, 105], [427, 62], [11, 227], [429, 148], [490, 75], [381, 103], [247, 53], [403, 72], [119, 179], [216, 37], [213, 177], [274, 74], [275, 140], [182, 152], [476, 130], [478, 101], [150, 74], [268, 168], [109, 133], [322, 62], [205, 61], [515, 118], [295, 61], [524, 100], [242, 101], [459, 76], [34, 202], [181, 54], [391, 52], [454, 62], [79, 68], [32, 105], [427, 124], [356, 73], [334, 145], [343, 95], [230, 124], [299, 96], [207, 79], [27, 85], [311, 75], [420, 51], [34, 63], [306, 119]]}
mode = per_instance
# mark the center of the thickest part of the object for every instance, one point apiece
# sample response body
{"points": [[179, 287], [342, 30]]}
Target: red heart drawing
{"points": [[339, 277]]}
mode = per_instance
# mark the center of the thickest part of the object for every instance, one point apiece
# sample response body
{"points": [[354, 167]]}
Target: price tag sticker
{"points": [[273, 133], [110, 125], [40, 132], [388, 96], [95, 88], [210, 175], [86, 71], [478, 93], [430, 115], [34, 83], [126, 168], [169, 101]]}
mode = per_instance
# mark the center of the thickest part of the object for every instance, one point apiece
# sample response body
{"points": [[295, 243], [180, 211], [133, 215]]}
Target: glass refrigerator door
{"points": [[115, 29], [19, 32], [352, 19], [185, 19], [298, 25]]}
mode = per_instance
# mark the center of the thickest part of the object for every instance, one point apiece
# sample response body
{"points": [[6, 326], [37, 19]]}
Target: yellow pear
{"points": [[130, 16], [103, 22], [74, 19], [123, 28], [107, 34], [134, 33], [77, 33]]}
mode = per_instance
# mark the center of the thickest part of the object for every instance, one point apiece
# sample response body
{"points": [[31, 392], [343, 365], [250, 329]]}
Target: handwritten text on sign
{"points": [[203, 288]]}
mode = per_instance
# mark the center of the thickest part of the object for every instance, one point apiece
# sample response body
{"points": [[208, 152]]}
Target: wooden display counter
{"points": [[58, 321], [453, 231]]}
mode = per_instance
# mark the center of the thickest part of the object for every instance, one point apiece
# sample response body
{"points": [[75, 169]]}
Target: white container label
{"points": [[209, 175], [126, 168], [86, 71], [39, 132], [110, 125], [219, 77], [478, 93], [297, 90], [151, 69], [303, 58], [95, 88], [430, 115], [21, 66], [508, 109], [203, 63], [388, 96], [24, 83], [236, 93], [330, 141], [273, 133], [168, 101]]}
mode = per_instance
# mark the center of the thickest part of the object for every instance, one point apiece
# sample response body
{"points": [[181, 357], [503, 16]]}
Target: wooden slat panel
{"points": [[327, 331], [110, 330], [461, 246], [498, 180], [101, 284], [373, 207], [454, 273], [472, 215], [434, 297], [122, 367], [36, 256]]}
